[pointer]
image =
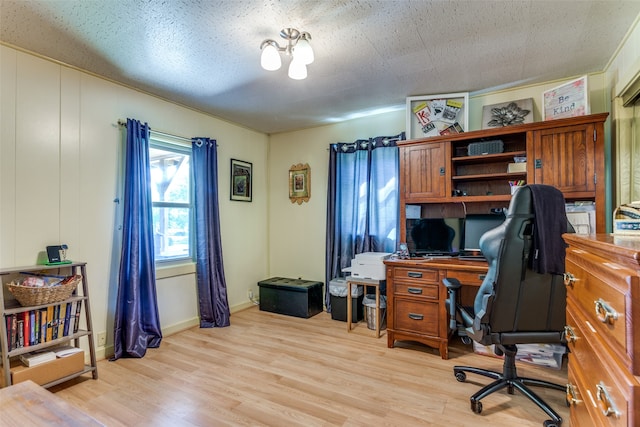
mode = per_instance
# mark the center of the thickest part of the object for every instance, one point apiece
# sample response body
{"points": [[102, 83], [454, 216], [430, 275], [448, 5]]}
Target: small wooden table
{"points": [[363, 282], [28, 404]]}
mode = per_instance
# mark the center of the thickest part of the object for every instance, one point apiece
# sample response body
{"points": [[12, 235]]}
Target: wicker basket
{"points": [[30, 295]]}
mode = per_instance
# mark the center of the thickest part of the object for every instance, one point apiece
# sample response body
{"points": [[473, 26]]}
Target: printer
{"points": [[368, 265]]}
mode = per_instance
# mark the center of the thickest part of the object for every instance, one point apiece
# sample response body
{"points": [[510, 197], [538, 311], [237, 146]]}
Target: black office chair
{"points": [[522, 298]]}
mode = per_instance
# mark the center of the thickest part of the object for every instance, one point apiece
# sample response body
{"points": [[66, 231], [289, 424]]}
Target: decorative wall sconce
{"points": [[297, 47]]}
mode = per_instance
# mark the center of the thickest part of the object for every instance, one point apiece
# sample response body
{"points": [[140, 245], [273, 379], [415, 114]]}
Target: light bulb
{"points": [[270, 58], [303, 52], [297, 69]]}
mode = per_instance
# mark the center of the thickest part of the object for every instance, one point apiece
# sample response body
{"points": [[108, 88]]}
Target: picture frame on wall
{"points": [[241, 180], [569, 99], [299, 183], [433, 115], [508, 113]]}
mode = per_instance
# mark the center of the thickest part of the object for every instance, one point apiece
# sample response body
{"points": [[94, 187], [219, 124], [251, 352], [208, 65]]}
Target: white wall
{"points": [[60, 154], [297, 232]]}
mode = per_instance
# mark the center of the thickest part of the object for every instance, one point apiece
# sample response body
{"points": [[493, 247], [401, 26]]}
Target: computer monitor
{"points": [[434, 236], [475, 225]]}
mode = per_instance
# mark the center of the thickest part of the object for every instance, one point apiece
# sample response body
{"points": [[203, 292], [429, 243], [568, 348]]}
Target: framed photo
{"points": [[241, 180], [299, 183], [507, 113], [434, 115], [570, 99]]}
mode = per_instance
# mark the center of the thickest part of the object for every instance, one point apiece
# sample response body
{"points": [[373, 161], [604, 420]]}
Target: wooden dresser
{"points": [[416, 298], [603, 329]]}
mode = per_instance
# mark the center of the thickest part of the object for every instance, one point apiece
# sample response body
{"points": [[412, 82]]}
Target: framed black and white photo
{"points": [[241, 180], [433, 115]]}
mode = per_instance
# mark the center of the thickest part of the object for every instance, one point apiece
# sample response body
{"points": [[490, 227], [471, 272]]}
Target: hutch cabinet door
{"points": [[424, 170], [565, 158]]}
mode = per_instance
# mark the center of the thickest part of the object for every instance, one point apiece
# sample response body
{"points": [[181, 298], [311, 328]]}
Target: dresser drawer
{"points": [[602, 290], [416, 316], [429, 291], [419, 274], [601, 384], [578, 400]]}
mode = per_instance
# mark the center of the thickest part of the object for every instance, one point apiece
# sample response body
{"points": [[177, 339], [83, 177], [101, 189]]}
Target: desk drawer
{"points": [[417, 274], [417, 290], [416, 316], [467, 277], [602, 290]]}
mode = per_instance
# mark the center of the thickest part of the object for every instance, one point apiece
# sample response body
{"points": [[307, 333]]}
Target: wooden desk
{"points": [[416, 298], [365, 283], [28, 404]]}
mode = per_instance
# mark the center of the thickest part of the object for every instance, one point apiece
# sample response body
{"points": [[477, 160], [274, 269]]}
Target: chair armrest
{"points": [[452, 283]]}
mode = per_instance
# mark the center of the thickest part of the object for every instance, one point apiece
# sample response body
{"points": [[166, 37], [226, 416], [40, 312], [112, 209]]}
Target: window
{"points": [[171, 200]]}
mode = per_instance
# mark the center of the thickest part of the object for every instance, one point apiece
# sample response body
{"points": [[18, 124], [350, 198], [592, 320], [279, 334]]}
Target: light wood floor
{"points": [[269, 369]]}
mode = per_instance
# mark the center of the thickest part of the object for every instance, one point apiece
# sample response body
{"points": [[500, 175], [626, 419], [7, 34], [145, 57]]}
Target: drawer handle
{"points": [[482, 276], [416, 291], [605, 400], [415, 274], [572, 395], [570, 279], [415, 316], [604, 312], [570, 334]]}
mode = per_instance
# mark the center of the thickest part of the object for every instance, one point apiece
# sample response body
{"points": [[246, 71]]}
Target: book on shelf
{"points": [[67, 319], [65, 350], [76, 319], [43, 325], [37, 357], [49, 323]]}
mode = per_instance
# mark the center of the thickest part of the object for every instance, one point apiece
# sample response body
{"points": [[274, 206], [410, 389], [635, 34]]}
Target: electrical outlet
{"points": [[250, 293], [102, 339]]}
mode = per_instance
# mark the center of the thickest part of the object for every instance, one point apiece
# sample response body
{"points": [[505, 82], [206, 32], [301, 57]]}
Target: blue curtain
{"points": [[362, 201], [212, 287], [137, 324]]}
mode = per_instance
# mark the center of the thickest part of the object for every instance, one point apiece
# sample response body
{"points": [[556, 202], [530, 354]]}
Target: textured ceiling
{"points": [[370, 55]]}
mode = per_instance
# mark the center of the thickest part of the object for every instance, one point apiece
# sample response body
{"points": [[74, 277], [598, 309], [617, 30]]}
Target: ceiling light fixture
{"points": [[297, 47]]}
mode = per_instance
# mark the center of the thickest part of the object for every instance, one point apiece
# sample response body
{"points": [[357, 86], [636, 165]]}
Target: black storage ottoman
{"points": [[292, 297]]}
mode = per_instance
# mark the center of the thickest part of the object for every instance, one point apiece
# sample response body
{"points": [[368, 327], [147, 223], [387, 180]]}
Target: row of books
{"points": [[34, 327]]}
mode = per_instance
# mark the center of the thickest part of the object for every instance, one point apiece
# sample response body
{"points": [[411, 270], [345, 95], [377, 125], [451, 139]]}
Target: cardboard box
{"points": [[46, 372], [517, 167], [625, 219], [547, 355]]}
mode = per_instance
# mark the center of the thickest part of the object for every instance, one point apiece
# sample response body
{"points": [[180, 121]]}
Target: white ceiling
{"points": [[370, 54]]}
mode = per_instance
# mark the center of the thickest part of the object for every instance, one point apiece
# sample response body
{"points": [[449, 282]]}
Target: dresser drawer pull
{"points": [[482, 276], [570, 334], [415, 274], [604, 312], [569, 279], [609, 408], [415, 316], [572, 395], [416, 291]]}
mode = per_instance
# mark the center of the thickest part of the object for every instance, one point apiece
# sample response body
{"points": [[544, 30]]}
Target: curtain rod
{"points": [[183, 138]]}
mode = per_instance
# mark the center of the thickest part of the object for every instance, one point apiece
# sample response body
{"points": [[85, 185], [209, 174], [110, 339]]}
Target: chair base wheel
{"points": [[476, 406]]}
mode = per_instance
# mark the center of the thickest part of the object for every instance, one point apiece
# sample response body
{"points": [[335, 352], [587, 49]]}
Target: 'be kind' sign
{"points": [[567, 100]]}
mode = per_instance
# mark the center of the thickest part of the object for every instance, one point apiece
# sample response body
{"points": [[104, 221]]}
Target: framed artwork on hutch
{"points": [[570, 99], [433, 115], [241, 180]]}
